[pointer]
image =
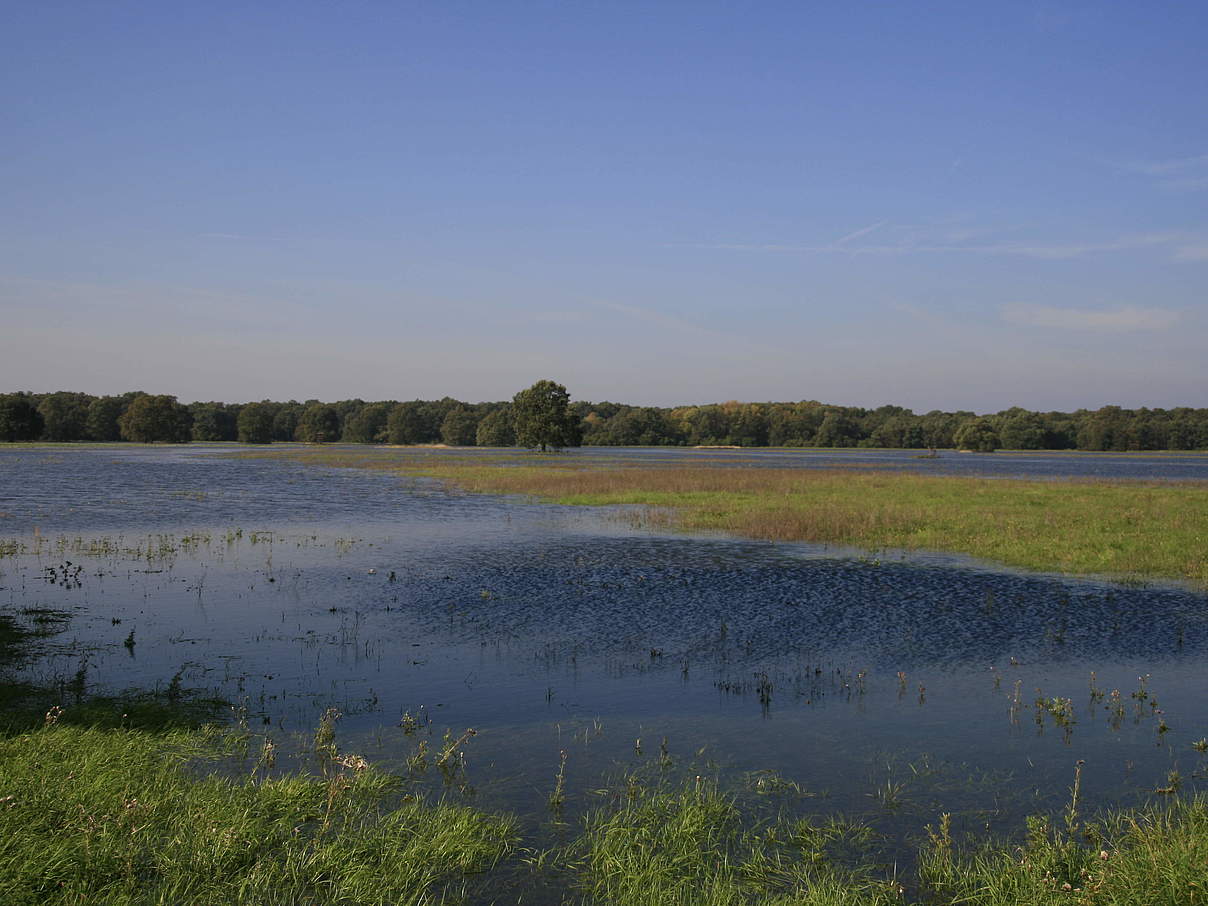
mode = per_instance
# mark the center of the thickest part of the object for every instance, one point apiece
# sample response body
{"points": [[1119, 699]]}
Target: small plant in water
{"points": [[1174, 780], [452, 747], [174, 686], [325, 735], [417, 763], [558, 796], [1096, 693], [664, 755]]}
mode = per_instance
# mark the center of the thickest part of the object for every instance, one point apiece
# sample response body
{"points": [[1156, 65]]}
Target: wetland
{"points": [[609, 684]]}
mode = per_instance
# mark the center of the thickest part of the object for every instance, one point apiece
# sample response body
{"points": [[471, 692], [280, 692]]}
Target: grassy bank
{"points": [[1118, 529], [94, 815]]}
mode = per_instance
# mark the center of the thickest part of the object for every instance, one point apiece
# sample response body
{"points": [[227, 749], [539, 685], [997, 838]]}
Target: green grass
{"points": [[691, 849], [1117, 529], [92, 815], [1156, 857], [143, 807]]}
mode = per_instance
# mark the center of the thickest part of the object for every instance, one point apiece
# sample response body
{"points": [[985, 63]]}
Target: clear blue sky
{"points": [[939, 205]]}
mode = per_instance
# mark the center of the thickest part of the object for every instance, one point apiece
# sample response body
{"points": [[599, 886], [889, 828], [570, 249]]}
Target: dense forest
{"points": [[66, 416]]}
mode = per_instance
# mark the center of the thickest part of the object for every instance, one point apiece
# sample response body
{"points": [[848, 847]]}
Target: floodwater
{"points": [[889, 688]]}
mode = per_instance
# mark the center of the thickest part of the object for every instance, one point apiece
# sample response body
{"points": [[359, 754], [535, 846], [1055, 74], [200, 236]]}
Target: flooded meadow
{"points": [[542, 660]]}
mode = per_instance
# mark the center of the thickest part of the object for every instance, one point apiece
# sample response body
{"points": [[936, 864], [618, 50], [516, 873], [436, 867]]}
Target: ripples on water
{"points": [[291, 589]]}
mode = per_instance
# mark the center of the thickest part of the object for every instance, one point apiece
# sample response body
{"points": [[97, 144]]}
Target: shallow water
{"points": [[891, 689]]}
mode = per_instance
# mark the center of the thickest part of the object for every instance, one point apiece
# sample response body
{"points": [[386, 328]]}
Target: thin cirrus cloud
{"points": [[1188, 174], [1119, 320], [1180, 246]]}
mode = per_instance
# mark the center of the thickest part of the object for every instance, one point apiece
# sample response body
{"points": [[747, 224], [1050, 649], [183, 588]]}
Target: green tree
{"points": [[256, 423], [368, 424], [408, 423], [838, 429], [976, 434], [103, 414], [319, 424], [285, 419], [214, 421], [19, 418], [65, 416], [542, 418], [459, 428], [495, 429], [156, 419]]}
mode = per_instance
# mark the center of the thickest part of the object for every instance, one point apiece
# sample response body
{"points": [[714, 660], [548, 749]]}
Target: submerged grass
{"points": [[1118, 529]]}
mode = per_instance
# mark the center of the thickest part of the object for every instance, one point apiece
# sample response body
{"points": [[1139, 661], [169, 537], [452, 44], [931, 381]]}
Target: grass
{"points": [[129, 799], [1157, 857], [1117, 529], [690, 847], [132, 800], [95, 815]]}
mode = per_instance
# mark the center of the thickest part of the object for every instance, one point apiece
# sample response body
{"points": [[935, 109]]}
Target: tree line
{"points": [[544, 416]]}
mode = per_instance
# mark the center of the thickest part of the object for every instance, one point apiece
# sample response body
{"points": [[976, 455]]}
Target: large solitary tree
{"points": [[542, 418]]}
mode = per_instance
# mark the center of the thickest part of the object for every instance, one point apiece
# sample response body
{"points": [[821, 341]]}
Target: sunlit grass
{"points": [[691, 848], [90, 815], [1119, 529]]}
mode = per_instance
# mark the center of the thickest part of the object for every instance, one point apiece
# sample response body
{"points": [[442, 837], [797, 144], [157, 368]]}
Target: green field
{"points": [[1118, 529]]}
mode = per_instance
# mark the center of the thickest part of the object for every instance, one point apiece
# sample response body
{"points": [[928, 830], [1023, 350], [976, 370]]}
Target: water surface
{"points": [[891, 689]]}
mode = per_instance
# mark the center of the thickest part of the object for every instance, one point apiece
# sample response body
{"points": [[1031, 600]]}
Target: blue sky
{"points": [[938, 205]]}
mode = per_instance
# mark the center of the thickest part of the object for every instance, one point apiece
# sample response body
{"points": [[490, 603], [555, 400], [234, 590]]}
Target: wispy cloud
{"points": [[1185, 174], [1192, 251], [658, 318], [1120, 320], [902, 240], [864, 231], [243, 237]]}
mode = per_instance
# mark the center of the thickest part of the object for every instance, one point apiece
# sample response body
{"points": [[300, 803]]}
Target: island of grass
{"points": [[1118, 529]]}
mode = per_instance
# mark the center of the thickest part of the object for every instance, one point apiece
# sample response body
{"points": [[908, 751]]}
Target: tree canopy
{"points": [[542, 418], [73, 416]]}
